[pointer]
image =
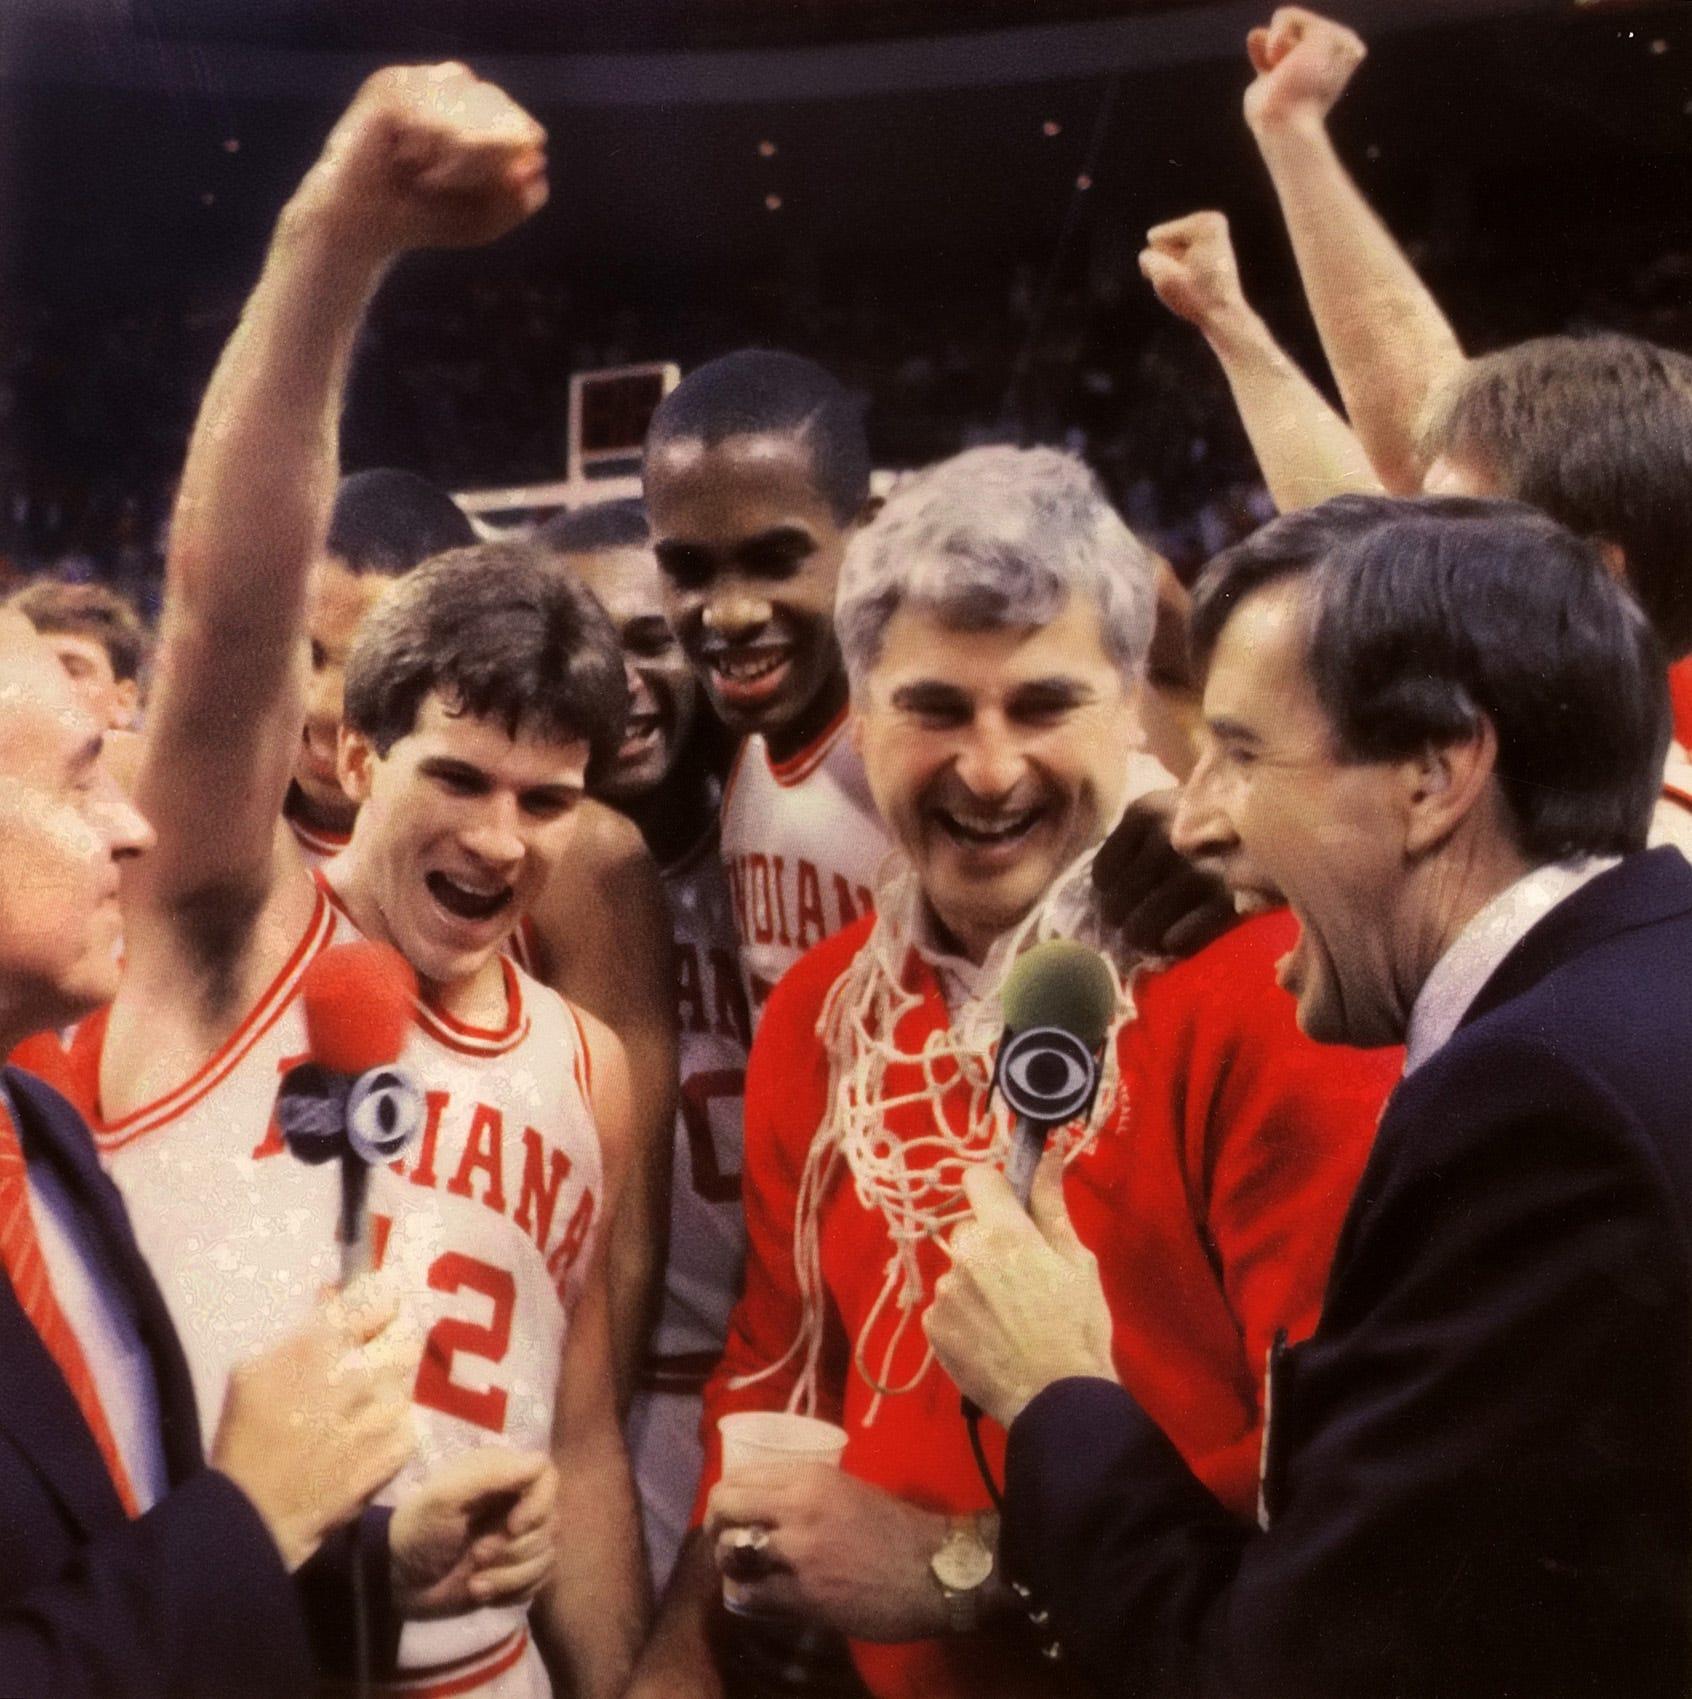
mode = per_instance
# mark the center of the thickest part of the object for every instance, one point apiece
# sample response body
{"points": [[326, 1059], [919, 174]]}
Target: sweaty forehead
{"points": [[442, 734], [41, 718], [337, 599], [920, 645], [625, 581], [1258, 677], [737, 487]]}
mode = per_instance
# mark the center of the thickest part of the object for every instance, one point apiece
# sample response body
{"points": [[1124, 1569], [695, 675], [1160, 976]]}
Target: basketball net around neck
{"points": [[914, 1180]]}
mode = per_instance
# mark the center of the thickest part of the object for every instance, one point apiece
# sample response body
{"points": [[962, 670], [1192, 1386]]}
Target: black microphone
{"points": [[1059, 1000]]}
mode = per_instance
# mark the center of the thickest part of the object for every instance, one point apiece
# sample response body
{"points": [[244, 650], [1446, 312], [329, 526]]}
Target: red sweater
{"points": [[1212, 1199]]}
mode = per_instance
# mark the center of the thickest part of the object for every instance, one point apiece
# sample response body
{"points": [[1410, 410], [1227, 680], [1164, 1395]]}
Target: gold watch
{"points": [[962, 1567]]}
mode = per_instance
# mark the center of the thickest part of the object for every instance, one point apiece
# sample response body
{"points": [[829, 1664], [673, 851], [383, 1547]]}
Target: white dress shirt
{"points": [[1482, 945]]}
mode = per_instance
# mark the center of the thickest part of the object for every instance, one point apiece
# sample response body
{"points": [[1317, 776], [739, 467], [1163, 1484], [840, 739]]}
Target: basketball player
{"points": [[757, 477], [1504, 427], [384, 522], [996, 618], [1591, 429], [757, 474], [477, 691], [598, 933], [667, 777]]}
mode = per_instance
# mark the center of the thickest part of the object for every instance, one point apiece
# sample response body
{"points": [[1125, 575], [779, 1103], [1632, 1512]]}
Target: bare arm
{"points": [[1390, 346], [677, 1661], [591, 1618], [424, 156], [1305, 450], [606, 942], [227, 703]]}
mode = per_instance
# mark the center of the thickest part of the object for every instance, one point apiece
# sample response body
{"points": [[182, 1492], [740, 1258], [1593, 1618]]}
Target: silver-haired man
{"points": [[995, 620]]}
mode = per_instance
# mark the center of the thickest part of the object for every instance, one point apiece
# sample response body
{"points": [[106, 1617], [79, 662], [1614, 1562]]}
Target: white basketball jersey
{"points": [[490, 1218], [802, 843], [707, 1231]]}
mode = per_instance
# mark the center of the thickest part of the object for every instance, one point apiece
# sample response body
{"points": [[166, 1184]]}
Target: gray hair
{"points": [[993, 538]]}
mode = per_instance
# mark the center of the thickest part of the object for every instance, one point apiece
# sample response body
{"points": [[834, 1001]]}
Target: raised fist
{"points": [[1190, 263], [428, 156], [1303, 63]]}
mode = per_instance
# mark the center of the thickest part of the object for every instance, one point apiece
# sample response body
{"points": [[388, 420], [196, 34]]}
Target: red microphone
{"points": [[352, 1100], [359, 1001]]}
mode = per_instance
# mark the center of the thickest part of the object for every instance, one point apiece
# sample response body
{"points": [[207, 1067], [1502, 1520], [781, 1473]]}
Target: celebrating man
{"points": [[477, 690], [995, 619], [1435, 731]]}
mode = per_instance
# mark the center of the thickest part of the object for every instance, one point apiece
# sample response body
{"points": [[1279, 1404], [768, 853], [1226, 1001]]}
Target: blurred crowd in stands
{"points": [[470, 387]]}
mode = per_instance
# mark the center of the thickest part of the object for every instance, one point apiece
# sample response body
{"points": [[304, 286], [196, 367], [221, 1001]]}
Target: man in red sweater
{"points": [[995, 620]]}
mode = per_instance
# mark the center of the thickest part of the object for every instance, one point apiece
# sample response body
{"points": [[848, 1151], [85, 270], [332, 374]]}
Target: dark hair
{"points": [[600, 525], [501, 633], [386, 521], [1423, 616], [760, 392], [93, 611], [1597, 431]]}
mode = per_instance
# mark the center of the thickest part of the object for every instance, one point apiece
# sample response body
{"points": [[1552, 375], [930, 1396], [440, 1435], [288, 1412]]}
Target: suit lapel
{"points": [[50, 1127], [1643, 890], [39, 1413]]}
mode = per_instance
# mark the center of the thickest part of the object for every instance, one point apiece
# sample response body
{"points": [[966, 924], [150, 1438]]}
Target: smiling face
{"points": [[336, 602], [663, 691], [65, 831], [459, 827], [996, 757], [750, 552], [1275, 809]]}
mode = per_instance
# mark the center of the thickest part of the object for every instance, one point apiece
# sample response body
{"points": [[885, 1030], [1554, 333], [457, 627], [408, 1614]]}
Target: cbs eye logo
{"points": [[384, 1114], [1047, 1075]]}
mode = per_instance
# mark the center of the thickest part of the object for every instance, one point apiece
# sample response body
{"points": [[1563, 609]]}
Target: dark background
{"points": [[889, 186]]}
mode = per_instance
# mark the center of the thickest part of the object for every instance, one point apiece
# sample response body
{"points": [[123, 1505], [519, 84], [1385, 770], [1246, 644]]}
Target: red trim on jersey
{"points": [[680, 1372], [446, 1029], [583, 1066], [523, 946], [456, 1675], [315, 839], [480, 1040], [264, 1014], [799, 767], [1673, 793]]}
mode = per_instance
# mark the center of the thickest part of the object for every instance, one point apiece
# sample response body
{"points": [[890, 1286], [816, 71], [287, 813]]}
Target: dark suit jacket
{"points": [[190, 1599], [1478, 1471]]}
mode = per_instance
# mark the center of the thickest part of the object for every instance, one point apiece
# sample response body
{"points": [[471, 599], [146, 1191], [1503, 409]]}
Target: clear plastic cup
{"points": [[759, 1438], [773, 1436]]}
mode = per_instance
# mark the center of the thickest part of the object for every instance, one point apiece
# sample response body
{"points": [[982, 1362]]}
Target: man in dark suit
{"points": [[1434, 730], [127, 1567]]}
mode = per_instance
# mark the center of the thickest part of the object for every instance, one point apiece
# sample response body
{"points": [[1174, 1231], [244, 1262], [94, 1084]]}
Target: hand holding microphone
{"points": [[1059, 999], [1022, 1305]]}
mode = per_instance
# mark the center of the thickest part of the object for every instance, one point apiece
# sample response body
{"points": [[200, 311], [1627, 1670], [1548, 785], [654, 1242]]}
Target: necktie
{"points": [[20, 1257]]}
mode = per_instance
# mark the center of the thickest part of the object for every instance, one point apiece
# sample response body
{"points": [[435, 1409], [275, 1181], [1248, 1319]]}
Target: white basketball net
{"points": [[915, 1180]]}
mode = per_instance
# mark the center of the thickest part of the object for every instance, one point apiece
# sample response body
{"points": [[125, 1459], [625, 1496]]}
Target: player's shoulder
{"points": [[800, 993], [603, 841]]}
